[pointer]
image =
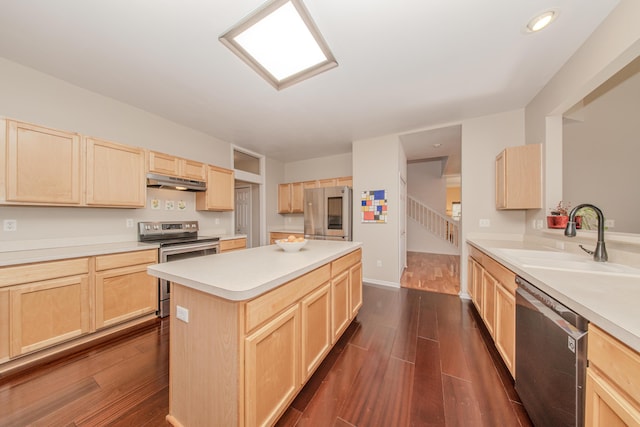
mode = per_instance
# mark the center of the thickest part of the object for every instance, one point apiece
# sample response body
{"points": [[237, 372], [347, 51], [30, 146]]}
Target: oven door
{"points": [[175, 253]]}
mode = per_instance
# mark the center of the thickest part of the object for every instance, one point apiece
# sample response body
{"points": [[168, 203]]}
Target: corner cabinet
{"points": [[42, 166], [612, 395], [519, 177], [290, 198], [492, 288], [115, 174], [220, 191], [229, 245]]}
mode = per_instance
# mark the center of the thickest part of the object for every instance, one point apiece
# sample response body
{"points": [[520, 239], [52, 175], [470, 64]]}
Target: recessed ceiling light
{"points": [[281, 43], [542, 21]]}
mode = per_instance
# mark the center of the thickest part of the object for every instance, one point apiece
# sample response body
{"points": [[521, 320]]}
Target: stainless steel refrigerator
{"points": [[328, 213]]}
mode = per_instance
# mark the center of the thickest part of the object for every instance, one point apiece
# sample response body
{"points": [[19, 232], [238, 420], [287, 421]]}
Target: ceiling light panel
{"points": [[280, 42]]}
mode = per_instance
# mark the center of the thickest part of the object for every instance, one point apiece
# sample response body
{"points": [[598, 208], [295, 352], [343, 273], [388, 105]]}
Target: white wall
{"points": [[35, 97], [319, 168], [377, 165], [426, 184]]}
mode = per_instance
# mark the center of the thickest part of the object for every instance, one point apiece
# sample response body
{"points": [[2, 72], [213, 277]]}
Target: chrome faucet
{"points": [[600, 253]]}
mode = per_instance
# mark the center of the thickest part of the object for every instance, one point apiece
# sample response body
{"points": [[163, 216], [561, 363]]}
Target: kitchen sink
{"points": [[565, 261]]}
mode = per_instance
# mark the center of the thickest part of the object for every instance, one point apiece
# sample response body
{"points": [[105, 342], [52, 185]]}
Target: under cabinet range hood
{"points": [[173, 183]]}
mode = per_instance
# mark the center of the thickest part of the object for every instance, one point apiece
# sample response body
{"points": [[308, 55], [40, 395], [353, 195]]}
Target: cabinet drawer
{"points": [[342, 263], [27, 273], [615, 360], [229, 245], [264, 307], [125, 259], [503, 274]]}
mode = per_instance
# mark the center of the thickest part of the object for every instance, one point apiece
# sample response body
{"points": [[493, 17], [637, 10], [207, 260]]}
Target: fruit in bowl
{"points": [[291, 243]]}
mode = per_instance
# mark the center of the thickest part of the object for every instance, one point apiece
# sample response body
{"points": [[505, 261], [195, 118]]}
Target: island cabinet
{"points": [[492, 288], [48, 304], [519, 177], [124, 290], [241, 363], [115, 174], [32, 158], [612, 395], [220, 191]]}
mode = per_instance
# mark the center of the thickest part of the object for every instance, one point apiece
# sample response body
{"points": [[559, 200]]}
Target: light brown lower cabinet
{"points": [[355, 287], [489, 301], [124, 290], [277, 235], [316, 329], [341, 313], [48, 312], [265, 349], [612, 394], [505, 328], [4, 325], [44, 305], [272, 357], [233, 244], [492, 288]]}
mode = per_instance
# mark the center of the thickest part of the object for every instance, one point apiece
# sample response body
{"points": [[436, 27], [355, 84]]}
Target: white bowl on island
{"points": [[291, 246]]}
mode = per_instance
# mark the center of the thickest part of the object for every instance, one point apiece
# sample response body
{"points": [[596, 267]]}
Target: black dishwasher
{"points": [[551, 345]]}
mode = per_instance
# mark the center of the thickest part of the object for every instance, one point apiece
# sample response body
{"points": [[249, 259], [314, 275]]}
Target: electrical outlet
{"points": [[217, 221], [539, 224], [379, 263], [129, 223], [182, 313], [485, 222], [610, 223], [10, 225]]}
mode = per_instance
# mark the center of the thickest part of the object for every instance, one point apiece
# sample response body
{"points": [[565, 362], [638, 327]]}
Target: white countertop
{"points": [[245, 274], [610, 301], [57, 253]]}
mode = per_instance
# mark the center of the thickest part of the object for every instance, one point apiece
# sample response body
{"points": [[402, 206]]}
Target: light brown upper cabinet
{"points": [[518, 177], [115, 174], [290, 197], [220, 188], [43, 166], [166, 164]]}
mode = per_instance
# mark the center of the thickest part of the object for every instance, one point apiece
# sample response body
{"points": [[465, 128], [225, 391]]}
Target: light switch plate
{"points": [[485, 223]]}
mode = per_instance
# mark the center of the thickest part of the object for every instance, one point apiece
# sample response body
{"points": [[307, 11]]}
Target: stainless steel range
{"points": [[178, 240]]}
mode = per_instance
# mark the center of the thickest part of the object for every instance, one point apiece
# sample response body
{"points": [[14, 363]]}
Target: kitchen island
{"points": [[248, 328]]}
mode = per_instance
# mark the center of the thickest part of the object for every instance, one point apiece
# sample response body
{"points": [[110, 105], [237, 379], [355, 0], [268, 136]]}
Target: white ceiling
{"points": [[403, 64]]}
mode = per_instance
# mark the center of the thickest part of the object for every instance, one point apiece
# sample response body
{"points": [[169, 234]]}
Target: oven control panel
{"points": [[166, 228]]}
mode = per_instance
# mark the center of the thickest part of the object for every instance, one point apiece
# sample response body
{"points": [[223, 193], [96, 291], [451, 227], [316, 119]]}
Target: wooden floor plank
{"points": [[427, 400], [432, 272], [404, 345]]}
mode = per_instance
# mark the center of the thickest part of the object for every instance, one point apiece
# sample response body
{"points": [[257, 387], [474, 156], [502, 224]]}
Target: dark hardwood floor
{"points": [[412, 358]]}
